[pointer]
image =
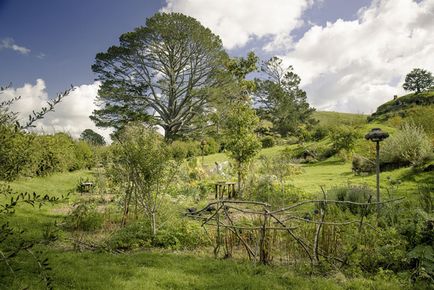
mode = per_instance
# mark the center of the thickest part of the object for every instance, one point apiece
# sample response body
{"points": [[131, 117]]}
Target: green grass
{"points": [[144, 270], [56, 184], [331, 119]]}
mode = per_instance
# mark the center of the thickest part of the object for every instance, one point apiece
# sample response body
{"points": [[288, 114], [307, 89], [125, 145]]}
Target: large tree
{"points": [[160, 73], [418, 80], [280, 98]]}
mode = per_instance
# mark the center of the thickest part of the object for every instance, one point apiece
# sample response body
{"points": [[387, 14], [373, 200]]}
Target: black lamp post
{"points": [[376, 135]]}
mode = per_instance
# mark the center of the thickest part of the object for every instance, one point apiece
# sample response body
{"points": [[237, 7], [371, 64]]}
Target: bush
{"points": [[132, 236], [362, 164], [84, 218], [319, 133], [269, 190], [408, 146], [212, 146], [176, 234], [267, 142], [344, 138], [353, 193], [184, 149]]}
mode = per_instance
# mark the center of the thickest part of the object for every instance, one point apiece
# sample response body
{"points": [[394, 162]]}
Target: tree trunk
{"points": [[154, 224]]}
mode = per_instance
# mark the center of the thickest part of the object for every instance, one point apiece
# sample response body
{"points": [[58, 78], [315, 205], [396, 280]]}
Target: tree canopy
{"points": [[160, 73], [280, 98], [92, 137], [418, 80]]}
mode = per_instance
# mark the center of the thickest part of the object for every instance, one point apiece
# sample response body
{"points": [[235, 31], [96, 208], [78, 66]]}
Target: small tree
{"points": [[142, 162], [92, 137], [418, 80], [242, 142], [344, 138]]}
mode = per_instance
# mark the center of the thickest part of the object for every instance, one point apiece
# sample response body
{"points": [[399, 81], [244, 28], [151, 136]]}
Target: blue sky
{"points": [[64, 36], [351, 55]]}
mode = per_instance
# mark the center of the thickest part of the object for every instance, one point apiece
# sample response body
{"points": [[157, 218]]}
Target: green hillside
{"points": [[329, 119], [403, 106], [414, 108]]}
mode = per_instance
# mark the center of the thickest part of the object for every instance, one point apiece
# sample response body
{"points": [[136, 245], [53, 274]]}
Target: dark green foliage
{"points": [[426, 197], [281, 100], [418, 80], [267, 142], [423, 258], [312, 152], [319, 133], [242, 144], [166, 66], [92, 137]]}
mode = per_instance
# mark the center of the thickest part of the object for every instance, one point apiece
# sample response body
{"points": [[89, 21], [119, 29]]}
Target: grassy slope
{"points": [[144, 270], [403, 105], [334, 118]]}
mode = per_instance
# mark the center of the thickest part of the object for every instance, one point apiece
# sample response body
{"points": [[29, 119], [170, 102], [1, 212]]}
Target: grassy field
{"points": [[145, 270], [334, 118]]}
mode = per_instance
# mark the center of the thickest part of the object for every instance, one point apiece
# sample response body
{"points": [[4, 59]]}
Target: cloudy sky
{"points": [[352, 55]]}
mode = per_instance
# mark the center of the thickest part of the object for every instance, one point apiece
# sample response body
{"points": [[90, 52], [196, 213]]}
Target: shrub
{"points": [[184, 149], [319, 133], [408, 146], [176, 234], [344, 138], [353, 193], [267, 189], [84, 217], [267, 142], [212, 146], [362, 164], [132, 236]]}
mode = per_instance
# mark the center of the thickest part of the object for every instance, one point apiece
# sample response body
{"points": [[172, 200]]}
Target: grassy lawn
{"points": [[144, 270]]}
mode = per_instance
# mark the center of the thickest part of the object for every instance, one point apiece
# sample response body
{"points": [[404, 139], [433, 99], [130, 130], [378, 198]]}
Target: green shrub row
{"points": [[24, 154]]}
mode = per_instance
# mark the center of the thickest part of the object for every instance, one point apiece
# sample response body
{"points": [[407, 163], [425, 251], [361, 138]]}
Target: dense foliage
{"points": [[408, 146], [418, 80], [280, 98]]}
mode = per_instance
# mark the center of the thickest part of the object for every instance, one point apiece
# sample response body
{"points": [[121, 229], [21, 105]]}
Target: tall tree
{"points": [[280, 98], [418, 80], [160, 73]]}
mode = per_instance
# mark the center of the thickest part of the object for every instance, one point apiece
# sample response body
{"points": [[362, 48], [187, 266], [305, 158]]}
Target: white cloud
{"points": [[357, 65], [238, 21], [70, 116], [9, 43]]}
